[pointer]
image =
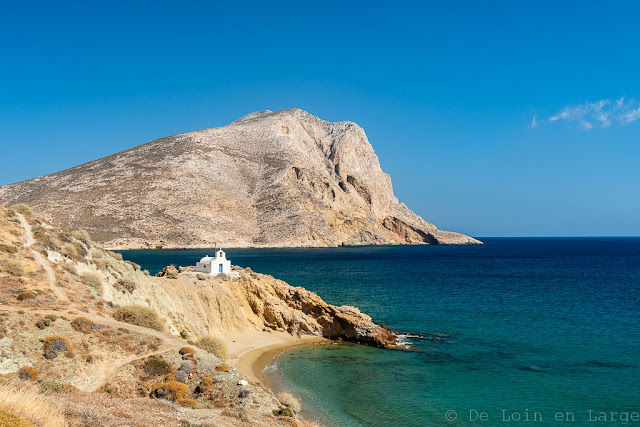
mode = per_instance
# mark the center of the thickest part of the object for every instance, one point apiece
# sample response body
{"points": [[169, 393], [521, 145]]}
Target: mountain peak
{"points": [[283, 178]]}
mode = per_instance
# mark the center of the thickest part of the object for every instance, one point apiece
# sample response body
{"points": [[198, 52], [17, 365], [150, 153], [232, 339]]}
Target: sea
{"points": [[535, 331]]}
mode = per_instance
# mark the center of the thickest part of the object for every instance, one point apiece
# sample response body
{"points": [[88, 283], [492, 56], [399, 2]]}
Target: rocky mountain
{"points": [[284, 178]]}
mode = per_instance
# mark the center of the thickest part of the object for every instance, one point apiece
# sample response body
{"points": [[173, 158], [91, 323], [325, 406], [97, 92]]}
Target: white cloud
{"points": [[534, 124], [601, 113]]}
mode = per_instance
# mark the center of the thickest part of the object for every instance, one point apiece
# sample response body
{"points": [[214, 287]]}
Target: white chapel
{"points": [[217, 265]]}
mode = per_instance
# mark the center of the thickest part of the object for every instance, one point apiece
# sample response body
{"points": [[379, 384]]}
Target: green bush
{"points": [[139, 315], [213, 345]]}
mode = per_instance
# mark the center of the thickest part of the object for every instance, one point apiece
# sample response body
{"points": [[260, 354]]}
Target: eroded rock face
{"points": [[299, 311], [283, 178]]}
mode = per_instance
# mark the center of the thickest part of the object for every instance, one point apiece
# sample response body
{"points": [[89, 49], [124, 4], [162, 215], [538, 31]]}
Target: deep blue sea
{"points": [[538, 329]]}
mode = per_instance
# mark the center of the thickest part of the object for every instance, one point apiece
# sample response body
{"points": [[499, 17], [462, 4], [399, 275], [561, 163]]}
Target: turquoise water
{"points": [[537, 328]]}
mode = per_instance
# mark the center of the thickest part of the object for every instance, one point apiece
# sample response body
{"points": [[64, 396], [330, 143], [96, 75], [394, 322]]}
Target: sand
{"points": [[251, 353]]}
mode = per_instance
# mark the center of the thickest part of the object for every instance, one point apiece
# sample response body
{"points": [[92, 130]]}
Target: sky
{"points": [[492, 118]]}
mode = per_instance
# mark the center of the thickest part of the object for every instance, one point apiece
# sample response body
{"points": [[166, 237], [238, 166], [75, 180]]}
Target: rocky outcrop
{"points": [[283, 178], [299, 311]]}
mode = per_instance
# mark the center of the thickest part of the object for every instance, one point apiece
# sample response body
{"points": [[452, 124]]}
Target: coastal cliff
{"points": [[110, 344], [284, 178]]}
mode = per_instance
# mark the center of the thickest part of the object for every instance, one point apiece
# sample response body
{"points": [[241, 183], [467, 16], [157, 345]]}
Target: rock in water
{"points": [[283, 178]]}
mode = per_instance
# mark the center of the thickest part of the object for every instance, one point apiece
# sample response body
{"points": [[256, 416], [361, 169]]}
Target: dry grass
{"points": [[93, 280], [115, 255], [48, 241], [22, 209], [13, 266], [26, 401], [213, 345], [73, 250], [156, 366], [100, 409], [126, 284], [139, 315], [81, 235], [105, 263], [97, 253], [288, 400], [8, 248]]}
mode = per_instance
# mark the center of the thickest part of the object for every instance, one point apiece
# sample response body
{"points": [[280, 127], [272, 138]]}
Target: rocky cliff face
{"points": [[283, 178]]}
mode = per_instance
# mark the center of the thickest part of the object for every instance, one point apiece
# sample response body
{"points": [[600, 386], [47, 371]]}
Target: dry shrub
{"points": [[156, 366], [205, 385], [135, 266], [8, 248], [8, 419], [28, 373], [97, 253], [213, 345], [93, 280], [288, 400], [81, 235], [52, 317], [48, 241], [187, 350], [53, 346], [26, 295], [22, 209], [115, 255], [104, 263], [71, 250], [223, 368], [71, 266], [284, 412], [27, 402], [172, 390], [126, 284], [139, 315], [187, 403], [13, 266], [84, 325], [49, 386]]}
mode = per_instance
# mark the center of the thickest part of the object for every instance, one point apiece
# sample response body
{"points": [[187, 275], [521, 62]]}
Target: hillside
{"points": [[107, 341], [284, 178]]}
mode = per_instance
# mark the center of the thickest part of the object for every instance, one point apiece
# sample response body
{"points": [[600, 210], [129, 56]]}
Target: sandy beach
{"points": [[250, 353]]}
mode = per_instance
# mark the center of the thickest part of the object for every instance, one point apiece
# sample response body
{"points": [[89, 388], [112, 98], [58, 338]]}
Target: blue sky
{"points": [[446, 91]]}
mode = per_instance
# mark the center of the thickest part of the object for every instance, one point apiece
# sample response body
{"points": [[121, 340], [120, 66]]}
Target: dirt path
{"points": [[169, 341], [51, 275], [104, 377]]}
